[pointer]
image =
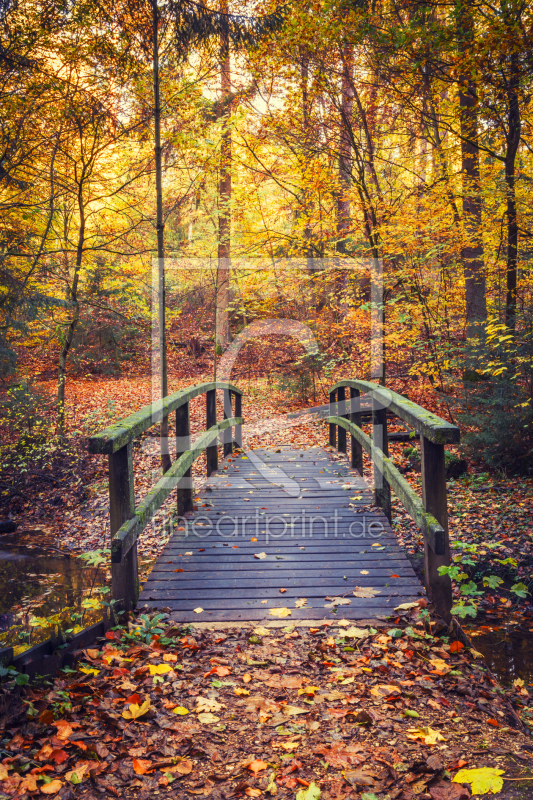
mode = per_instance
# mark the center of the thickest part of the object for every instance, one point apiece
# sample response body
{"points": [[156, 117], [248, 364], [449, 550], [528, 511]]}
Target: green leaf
{"points": [[409, 713], [520, 589], [395, 633]]}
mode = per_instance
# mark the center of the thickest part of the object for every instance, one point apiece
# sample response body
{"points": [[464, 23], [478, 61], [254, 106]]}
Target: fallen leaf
{"points": [[51, 788], [170, 657], [280, 612], [448, 791], [183, 767], [206, 704], [198, 610], [355, 633], [456, 646], [247, 677], [159, 669], [428, 735], [337, 601], [135, 711], [3, 772], [207, 719], [257, 766], [260, 631], [240, 691], [142, 766], [301, 602], [405, 606], [87, 671], [282, 591], [312, 792], [363, 572], [483, 780], [260, 555], [181, 710], [365, 591]]}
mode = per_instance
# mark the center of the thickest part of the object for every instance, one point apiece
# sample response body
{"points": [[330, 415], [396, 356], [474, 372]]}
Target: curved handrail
{"points": [[411, 501], [120, 433], [425, 422], [127, 535]]}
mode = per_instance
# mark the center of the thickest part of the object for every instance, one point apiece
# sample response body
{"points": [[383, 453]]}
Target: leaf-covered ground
{"points": [[332, 711]]}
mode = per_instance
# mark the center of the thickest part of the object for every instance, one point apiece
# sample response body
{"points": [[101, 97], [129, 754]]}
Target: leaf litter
{"points": [[329, 712]]}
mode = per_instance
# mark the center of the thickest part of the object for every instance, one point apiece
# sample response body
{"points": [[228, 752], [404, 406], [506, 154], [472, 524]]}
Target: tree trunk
{"points": [[71, 330], [513, 140], [160, 228], [472, 250], [305, 158], [345, 150], [222, 332]]}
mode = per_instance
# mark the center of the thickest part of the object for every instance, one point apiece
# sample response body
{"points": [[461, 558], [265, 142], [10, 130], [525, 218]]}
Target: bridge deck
{"points": [[310, 515]]}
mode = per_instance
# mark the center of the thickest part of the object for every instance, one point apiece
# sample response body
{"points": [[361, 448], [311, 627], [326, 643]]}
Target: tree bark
{"points": [[345, 150], [222, 333], [160, 228], [513, 140], [472, 250]]}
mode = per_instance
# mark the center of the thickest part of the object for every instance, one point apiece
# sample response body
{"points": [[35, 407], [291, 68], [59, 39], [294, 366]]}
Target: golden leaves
{"points": [[135, 710]]}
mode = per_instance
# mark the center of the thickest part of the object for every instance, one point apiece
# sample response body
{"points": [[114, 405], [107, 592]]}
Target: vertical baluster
{"points": [[211, 453], [124, 575], [438, 587], [356, 447], [183, 443], [227, 433], [341, 396], [332, 413], [380, 442]]}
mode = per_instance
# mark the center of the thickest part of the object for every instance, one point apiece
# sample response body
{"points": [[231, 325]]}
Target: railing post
{"points": [[238, 413], [125, 575], [438, 587], [341, 396], [211, 453], [227, 437], [183, 443], [380, 441], [356, 447], [332, 413]]}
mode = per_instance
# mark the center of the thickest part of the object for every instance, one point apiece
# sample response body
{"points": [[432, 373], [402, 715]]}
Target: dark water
{"points": [[506, 641], [38, 580]]}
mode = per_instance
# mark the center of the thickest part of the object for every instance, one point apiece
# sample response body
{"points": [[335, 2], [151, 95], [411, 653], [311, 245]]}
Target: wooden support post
{"points": [[227, 434], [438, 587], [183, 443], [356, 447], [332, 413], [211, 453], [380, 441], [125, 575], [238, 413], [341, 397]]}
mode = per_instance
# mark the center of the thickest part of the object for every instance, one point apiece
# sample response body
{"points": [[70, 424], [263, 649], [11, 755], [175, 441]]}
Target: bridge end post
{"points": [[125, 574], [341, 396], [211, 453], [356, 448], [438, 587], [382, 494], [226, 434], [183, 443], [238, 413], [332, 413]]}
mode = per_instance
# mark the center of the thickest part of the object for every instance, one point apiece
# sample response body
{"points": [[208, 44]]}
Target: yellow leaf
{"points": [[280, 612], [428, 735], [181, 710], [3, 773], [240, 691], [483, 780], [135, 711], [89, 671], [309, 690], [198, 610], [159, 669]]}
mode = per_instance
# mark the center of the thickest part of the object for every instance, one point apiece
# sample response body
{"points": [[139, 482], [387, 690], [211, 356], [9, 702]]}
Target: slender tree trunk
{"points": [[345, 151], [513, 140], [305, 158], [472, 250], [222, 331], [160, 228], [71, 330]]}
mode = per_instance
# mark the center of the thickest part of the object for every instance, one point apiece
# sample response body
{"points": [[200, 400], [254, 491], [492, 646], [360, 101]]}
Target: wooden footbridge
{"points": [[281, 528]]}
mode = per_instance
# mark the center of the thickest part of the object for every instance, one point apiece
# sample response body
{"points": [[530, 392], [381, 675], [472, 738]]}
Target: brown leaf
{"points": [[183, 767], [359, 777], [341, 755], [448, 791]]}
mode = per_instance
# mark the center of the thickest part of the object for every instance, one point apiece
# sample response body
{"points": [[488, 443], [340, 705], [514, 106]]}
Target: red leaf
{"points": [[456, 646]]}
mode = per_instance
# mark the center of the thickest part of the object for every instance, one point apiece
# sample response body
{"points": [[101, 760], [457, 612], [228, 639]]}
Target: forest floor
{"points": [[314, 710]]}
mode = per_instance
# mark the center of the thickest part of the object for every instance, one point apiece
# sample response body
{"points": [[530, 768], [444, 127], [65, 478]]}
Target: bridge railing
{"points": [[429, 513], [128, 522]]}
